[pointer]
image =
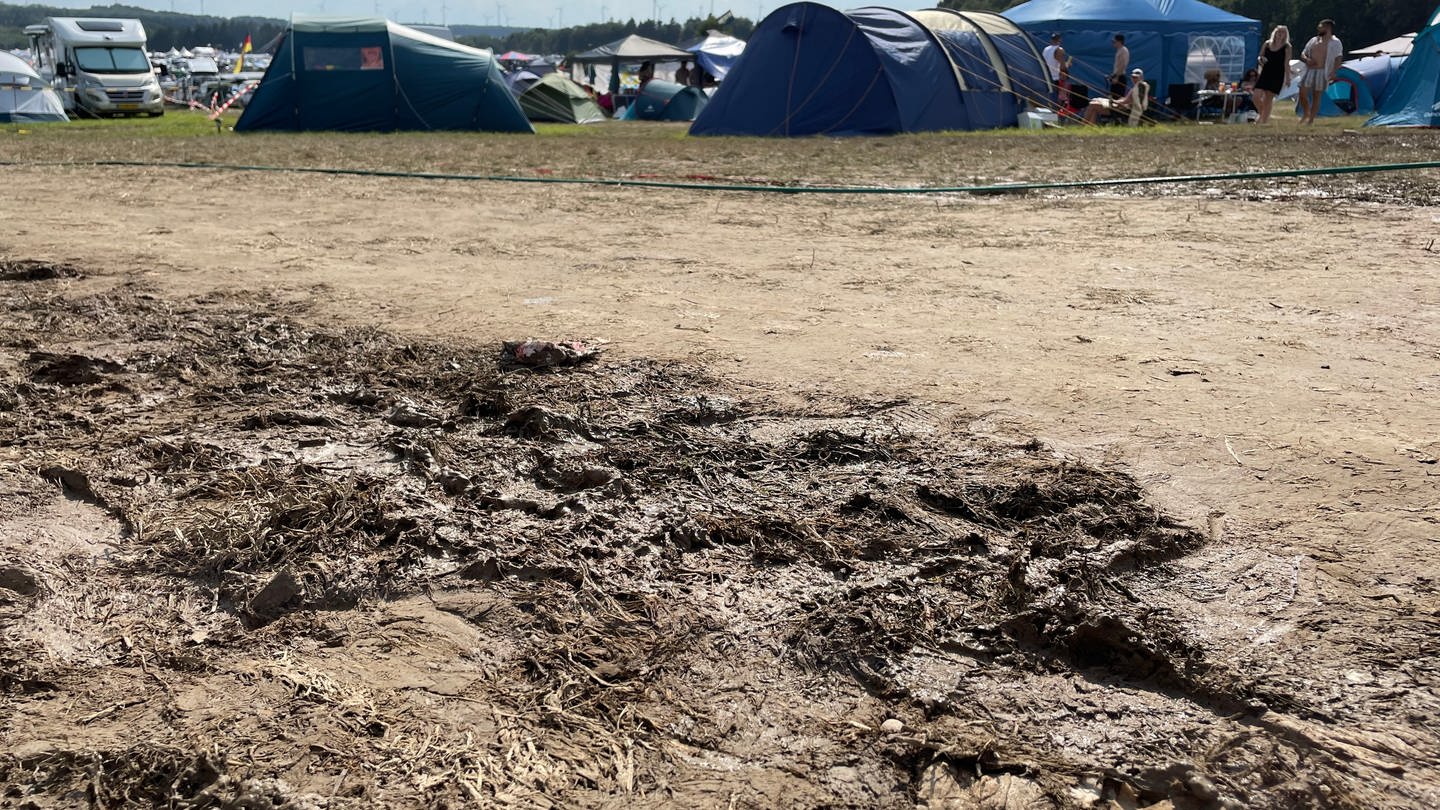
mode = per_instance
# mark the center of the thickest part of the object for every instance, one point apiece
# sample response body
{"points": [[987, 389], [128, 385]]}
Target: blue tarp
{"points": [[1413, 97], [1159, 34], [369, 74], [812, 70]]}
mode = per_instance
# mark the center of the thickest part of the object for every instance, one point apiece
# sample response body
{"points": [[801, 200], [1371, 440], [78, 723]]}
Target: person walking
{"points": [[1274, 66], [1322, 56], [1121, 65]]}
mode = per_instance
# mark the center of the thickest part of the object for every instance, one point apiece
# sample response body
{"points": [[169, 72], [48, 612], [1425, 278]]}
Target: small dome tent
{"points": [[1172, 40], [667, 101], [1412, 98], [370, 74], [553, 97], [1359, 85]]}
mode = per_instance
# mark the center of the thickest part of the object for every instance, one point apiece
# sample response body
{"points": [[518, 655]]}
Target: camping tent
{"points": [[1397, 46], [24, 97], [998, 66], [553, 97], [716, 53], [1359, 85], [1413, 97], [810, 70], [667, 101], [628, 50], [368, 74], [1174, 41]]}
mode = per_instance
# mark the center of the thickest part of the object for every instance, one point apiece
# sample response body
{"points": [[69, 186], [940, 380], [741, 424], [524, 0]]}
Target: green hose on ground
{"points": [[1001, 188]]}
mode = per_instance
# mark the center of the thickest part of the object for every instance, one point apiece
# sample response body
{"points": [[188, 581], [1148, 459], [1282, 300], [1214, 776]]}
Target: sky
{"points": [[521, 13]]}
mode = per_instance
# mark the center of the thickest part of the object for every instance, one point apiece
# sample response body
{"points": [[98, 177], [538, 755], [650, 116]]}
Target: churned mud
{"points": [[248, 559]]}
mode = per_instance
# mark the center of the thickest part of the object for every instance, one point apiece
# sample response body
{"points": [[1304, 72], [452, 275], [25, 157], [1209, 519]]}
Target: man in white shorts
{"points": [[1322, 57]]}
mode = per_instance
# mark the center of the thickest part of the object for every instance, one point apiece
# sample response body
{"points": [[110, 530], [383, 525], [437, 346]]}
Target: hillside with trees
{"points": [[164, 29]]}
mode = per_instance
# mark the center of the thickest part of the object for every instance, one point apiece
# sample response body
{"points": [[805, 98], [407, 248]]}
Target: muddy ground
{"points": [[1055, 500]]}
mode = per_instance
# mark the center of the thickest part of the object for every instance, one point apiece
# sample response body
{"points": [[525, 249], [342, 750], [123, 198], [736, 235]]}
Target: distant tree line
{"points": [[164, 29], [1357, 22], [579, 38]]}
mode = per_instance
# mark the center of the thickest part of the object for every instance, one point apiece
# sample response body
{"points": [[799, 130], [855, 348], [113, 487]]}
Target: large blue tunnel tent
{"points": [[810, 69], [1413, 96], [1174, 41], [370, 74]]}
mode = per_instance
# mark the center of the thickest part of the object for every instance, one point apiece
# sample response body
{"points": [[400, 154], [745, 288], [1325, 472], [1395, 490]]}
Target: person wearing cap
{"points": [[1135, 101]]}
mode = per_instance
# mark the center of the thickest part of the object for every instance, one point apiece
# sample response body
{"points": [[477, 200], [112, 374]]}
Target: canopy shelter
{"points": [[1174, 41], [717, 53], [667, 101], [1413, 96], [1359, 85], [1397, 46], [515, 56], [370, 74], [812, 70], [628, 50], [24, 97], [553, 97]]}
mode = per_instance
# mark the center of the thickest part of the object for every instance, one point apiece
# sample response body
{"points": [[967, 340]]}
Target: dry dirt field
{"points": [[1122, 498]]}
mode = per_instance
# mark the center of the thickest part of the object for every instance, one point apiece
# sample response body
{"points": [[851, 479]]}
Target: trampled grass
{"points": [[665, 151]]}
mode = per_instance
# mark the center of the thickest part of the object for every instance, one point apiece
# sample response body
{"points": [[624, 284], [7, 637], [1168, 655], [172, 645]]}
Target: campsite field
{"points": [[1108, 498]]}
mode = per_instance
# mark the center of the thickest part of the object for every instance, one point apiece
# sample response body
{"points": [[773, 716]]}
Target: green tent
{"points": [[553, 97]]}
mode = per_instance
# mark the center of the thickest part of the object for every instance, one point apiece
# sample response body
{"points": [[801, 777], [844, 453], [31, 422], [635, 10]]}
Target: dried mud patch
{"points": [[286, 565]]}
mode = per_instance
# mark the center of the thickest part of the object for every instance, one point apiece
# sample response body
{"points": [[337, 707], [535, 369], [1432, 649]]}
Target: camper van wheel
{"points": [[156, 114]]}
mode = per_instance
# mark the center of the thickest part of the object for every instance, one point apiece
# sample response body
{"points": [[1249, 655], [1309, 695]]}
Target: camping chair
{"points": [[1179, 103]]}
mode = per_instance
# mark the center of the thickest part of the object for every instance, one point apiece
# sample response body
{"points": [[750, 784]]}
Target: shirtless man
{"points": [[1322, 57]]}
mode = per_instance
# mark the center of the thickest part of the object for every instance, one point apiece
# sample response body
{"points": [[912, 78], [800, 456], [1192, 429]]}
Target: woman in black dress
{"points": [[1274, 66]]}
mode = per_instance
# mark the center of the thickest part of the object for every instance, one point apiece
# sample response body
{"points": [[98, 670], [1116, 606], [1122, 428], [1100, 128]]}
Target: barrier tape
{"points": [[235, 95]]}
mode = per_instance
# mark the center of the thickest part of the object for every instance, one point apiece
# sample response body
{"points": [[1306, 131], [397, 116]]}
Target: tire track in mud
{"points": [[668, 584]]}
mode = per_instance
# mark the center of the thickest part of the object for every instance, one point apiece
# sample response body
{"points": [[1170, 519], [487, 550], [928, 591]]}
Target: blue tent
{"points": [[1413, 97], [1359, 85], [998, 65], [809, 69], [1174, 41], [666, 101], [370, 74]]}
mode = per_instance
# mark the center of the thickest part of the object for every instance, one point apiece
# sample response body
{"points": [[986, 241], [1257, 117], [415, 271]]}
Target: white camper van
{"points": [[98, 66]]}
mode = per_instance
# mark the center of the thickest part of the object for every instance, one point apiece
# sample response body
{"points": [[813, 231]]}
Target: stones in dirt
{"points": [[31, 270], [267, 603], [892, 726], [19, 580], [66, 368]]}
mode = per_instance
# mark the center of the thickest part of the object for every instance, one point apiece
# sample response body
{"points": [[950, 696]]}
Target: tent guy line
{"points": [[1001, 188]]}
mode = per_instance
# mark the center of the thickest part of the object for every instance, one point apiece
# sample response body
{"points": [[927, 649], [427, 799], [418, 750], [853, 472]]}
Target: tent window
{"points": [[372, 58], [1225, 54]]}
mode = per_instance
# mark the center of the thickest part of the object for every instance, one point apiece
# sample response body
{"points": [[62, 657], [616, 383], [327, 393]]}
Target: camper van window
{"points": [[112, 60], [344, 59]]}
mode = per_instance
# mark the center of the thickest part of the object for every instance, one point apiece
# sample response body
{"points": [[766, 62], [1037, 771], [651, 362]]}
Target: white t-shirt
{"points": [[1051, 63], [1333, 52]]}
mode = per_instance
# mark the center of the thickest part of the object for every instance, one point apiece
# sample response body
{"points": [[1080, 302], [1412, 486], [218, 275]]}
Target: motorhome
{"points": [[98, 66]]}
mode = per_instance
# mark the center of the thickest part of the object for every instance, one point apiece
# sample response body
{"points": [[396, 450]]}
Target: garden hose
{"points": [[1000, 188]]}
